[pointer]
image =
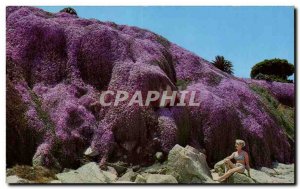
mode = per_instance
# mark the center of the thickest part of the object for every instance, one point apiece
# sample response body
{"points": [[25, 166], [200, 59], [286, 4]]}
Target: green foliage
{"points": [[273, 70], [284, 115], [261, 76], [182, 84], [69, 10], [223, 64]]}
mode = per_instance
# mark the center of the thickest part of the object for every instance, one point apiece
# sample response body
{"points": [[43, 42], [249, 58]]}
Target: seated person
{"points": [[242, 161]]}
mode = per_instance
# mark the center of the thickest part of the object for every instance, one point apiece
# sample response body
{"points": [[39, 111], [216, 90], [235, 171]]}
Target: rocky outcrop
{"points": [[58, 64], [220, 168], [188, 165], [89, 173]]}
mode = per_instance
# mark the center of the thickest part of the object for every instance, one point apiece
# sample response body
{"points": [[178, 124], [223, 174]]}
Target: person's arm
{"points": [[229, 157], [247, 163]]}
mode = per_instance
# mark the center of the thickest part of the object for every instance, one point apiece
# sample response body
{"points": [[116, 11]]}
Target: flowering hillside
{"points": [[58, 64]]}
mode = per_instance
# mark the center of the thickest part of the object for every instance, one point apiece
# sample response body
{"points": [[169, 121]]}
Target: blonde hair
{"points": [[238, 141]]}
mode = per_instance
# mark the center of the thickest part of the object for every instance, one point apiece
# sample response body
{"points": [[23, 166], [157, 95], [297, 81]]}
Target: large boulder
{"points": [[220, 167], [120, 167], [188, 165], [89, 173]]}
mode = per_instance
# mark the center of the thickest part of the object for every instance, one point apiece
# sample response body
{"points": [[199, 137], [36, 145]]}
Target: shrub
{"points": [[182, 83], [69, 10], [273, 70]]}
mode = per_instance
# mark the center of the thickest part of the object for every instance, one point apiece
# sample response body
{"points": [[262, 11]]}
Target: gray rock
{"points": [[159, 156], [239, 178], [220, 167], [285, 173], [119, 166], [67, 170], [15, 179], [91, 152], [55, 181], [157, 178], [145, 175], [261, 177], [156, 168], [70, 177], [89, 173], [128, 176], [140, 179], [112, 170], [188, 165], [135, 168], [284, 168], [268, 171]]}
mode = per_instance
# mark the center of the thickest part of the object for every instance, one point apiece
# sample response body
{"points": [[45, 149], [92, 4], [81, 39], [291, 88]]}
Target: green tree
{"points": [[273, 70], [223, 64], [69, 10]]}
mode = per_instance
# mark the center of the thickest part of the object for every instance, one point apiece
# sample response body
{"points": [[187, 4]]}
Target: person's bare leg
{"points": [[230, 172], [229, 165]]}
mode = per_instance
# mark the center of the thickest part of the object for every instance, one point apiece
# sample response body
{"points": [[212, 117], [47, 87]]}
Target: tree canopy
{"points": [[223, 64], [69, 10], [273, 69]]}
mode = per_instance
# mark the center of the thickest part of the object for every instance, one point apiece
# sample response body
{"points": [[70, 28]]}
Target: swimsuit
{"points": [[239, 157]]}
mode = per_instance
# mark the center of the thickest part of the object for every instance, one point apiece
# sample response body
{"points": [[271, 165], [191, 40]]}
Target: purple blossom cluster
{"points": [[66, 62]]}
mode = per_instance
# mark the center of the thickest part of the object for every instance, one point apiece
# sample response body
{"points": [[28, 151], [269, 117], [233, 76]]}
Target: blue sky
{"points": [[243, 35]]}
